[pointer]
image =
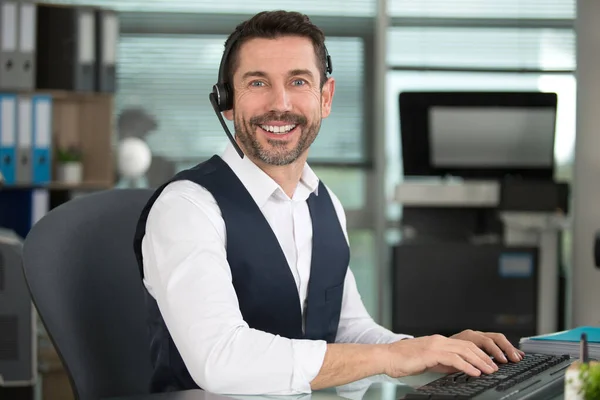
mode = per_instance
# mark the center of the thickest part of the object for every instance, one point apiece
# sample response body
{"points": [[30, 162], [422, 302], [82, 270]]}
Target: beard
{"points": [[276, 153]]}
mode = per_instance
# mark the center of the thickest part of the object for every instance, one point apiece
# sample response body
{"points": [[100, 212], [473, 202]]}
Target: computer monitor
{"points": [[488, 135]]}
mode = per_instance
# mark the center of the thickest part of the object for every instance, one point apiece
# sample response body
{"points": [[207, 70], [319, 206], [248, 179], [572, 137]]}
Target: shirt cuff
{"points": [[394, 337], [402, 337], [308, 358]]}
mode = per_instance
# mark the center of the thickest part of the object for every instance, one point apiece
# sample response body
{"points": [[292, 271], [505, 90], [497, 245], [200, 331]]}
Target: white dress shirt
{"points": [[186, 271]]}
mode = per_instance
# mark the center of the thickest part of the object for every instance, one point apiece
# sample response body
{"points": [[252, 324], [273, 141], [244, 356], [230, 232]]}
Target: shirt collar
{"points": [[260, 185]]}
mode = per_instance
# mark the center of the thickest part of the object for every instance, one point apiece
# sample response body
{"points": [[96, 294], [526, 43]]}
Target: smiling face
{"points": [[278, 101]]}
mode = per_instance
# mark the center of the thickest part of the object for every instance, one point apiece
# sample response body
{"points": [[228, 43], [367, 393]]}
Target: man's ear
{"points": [[228, 114], [327, 97]]}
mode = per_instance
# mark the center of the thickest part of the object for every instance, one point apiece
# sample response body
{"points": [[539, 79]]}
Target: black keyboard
{"points": [[531, 375]]}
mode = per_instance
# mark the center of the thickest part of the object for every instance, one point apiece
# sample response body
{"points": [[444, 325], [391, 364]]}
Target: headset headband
{"points": [[223, 78]]}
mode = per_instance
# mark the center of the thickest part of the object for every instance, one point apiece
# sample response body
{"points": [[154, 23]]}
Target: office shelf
{"points": [[85, 121]]}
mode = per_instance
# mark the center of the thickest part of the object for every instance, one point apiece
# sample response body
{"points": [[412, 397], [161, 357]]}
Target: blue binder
{"points": [[572, 335], [8, 137], [42, 139]]}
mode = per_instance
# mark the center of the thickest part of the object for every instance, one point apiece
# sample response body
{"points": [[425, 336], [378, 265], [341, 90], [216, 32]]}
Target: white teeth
{"points": [[278, 129]]}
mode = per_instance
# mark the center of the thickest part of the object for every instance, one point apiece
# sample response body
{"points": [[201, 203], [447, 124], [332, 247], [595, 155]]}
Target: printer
{"points": [[18, 323], [482, 214]]}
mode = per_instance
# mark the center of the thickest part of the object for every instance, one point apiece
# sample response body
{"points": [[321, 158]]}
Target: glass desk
{"points": [[378, 387]]}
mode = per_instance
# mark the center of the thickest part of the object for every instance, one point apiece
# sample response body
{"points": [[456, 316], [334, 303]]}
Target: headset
{"points": [[221, 96]]}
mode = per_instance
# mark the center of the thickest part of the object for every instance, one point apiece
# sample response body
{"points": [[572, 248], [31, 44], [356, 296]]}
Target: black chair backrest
{"points": [[84, 281]]}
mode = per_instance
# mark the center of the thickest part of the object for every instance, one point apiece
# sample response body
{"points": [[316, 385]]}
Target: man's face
{"points": [[278, 101]]}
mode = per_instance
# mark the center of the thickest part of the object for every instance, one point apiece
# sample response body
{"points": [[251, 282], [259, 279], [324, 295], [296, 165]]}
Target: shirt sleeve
{"points": [[356, 325], [186, 271]]}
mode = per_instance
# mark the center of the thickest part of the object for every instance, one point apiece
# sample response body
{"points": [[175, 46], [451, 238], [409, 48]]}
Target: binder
{"points": [[8, 137], [571, 335], [8, 43], [107, 40], [66, 47], [41, 139], [25, 55], [24, 141], [564, 342]]}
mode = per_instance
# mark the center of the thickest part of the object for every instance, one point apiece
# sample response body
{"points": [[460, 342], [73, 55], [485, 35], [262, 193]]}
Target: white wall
{"points": [[585, 307]]}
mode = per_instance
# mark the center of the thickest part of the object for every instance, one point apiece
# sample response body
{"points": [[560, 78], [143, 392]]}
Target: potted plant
{"points": [[69, 166], [582, 381]]}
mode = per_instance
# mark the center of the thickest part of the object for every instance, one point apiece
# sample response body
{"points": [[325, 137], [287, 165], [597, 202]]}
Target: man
{"points": [[247, 257]]}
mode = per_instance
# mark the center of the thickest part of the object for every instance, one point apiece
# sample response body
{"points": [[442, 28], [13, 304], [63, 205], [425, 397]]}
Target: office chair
{"points": [[84, 281]]}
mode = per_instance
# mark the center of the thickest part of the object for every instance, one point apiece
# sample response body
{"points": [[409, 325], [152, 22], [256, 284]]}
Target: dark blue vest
{"points": [[266, 290]]}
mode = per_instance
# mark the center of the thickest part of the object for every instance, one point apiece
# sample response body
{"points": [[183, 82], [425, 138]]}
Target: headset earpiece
{"points": [[223, 96]]}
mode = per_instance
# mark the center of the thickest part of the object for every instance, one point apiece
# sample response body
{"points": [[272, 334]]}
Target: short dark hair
{"points": [[275, 24]]}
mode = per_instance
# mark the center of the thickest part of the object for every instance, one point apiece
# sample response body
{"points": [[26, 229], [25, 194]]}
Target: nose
{"points": [[280, 99]]}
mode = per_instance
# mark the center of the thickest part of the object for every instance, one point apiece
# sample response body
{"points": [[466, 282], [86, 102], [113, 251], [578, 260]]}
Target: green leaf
{"points": [[590, 380], [69, 154]]}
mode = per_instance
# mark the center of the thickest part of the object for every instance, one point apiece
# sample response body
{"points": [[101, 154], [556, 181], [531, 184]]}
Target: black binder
{"points": [[66, 44]]}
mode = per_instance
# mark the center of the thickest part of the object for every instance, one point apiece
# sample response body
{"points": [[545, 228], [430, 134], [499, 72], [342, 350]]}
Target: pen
{"points": [[583, 350]]}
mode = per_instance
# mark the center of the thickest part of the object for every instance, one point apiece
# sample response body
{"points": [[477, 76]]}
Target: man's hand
{"points": [[495, 344], [437, 353], [468, 352]]}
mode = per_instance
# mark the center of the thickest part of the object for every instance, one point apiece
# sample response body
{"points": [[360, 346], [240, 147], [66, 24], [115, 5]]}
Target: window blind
{"points": [[537, 9], [313, 7], [170, 76], [508, 48]]}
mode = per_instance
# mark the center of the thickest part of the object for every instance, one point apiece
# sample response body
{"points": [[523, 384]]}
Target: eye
{"points": [[257, 83], [298, 82]]}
